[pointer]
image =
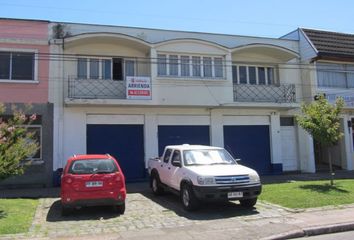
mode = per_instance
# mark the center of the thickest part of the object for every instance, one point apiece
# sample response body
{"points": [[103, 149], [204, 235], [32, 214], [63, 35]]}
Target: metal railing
{"points": [[283, 93], [96, 88]]}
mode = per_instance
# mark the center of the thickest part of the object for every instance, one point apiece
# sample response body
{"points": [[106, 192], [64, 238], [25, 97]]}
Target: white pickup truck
{"points": [[203, 173]]}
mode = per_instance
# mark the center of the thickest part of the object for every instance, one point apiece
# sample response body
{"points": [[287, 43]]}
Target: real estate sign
{"points": [[138, 88]]}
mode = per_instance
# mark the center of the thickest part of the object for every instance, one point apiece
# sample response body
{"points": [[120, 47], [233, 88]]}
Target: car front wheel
{"points": [[248, 203], [188, 199]]}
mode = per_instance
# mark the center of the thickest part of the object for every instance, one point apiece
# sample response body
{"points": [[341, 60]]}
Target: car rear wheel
{"points": [[248, 203], [156, 185], [188, 199], [119, 209]]}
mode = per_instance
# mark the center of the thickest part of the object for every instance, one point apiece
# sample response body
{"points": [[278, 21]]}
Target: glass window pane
{"points": [[129, 68], [331, 75], [22, 66], [173, 64], [196, 66], [94, 68], [261, 75], [185, 65], [207, 67], [4, 65], [218, 66], [106, 69], [234, 74], [243, 74], [270, 75], [161, 65], [252, 75], [82, 68], [350, 76]]}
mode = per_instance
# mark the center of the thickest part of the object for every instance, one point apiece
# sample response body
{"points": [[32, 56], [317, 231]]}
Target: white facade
{"points": [[218, 83]]}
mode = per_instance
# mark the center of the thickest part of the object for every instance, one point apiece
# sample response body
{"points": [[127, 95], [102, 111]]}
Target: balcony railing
{"points": [[96, 89], [283, 93]]}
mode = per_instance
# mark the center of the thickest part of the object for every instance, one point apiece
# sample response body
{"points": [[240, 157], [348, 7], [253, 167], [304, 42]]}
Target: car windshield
{"points": [[93, 166], [207, 157]]}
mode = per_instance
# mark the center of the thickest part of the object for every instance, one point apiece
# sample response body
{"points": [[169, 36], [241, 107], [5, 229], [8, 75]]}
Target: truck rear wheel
{"points": [[248, 203], [156, 185], [188, 199]]}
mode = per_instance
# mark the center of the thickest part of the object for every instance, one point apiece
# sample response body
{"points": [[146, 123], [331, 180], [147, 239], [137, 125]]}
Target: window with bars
{"points": [[17, 66], [254, 75], [190, 66]]}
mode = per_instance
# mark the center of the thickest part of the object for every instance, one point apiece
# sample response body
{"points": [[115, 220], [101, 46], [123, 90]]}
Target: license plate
{"points": [[235, 194], [94, 184]]}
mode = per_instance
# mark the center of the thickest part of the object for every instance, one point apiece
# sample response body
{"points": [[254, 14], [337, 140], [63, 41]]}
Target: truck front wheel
{"points": [[156, 185], [248, 203], [188, 199]]}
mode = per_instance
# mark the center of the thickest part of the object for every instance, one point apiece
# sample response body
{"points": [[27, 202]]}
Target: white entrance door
{"points": [[289, 153]]}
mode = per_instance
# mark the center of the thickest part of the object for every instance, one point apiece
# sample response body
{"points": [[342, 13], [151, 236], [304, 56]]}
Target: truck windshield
{"points": [[207, 157]]}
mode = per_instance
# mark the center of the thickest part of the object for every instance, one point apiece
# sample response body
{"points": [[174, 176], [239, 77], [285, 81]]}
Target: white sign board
{"points": [[138, 88]]}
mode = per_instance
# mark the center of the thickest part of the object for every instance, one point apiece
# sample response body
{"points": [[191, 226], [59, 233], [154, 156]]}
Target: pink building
{"points": [[24, 74]]}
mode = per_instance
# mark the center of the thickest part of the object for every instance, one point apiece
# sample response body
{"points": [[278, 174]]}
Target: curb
{"points": [[312, 231]]}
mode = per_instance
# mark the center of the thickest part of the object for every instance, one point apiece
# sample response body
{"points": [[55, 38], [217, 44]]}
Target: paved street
{"points": [[151, 217]]}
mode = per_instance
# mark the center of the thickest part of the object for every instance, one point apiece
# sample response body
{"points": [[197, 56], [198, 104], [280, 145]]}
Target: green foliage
{"points": [[321, 120], [309, 194], [16, 143]]}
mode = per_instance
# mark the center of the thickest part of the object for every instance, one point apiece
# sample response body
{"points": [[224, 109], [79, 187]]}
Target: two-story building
{"points": [[327, 60], [131, 91], [24, 71]]}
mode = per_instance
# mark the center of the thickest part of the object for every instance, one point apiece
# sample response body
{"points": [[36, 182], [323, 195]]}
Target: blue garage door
{"points": [[175, 135], [124, 142], [251, 144]]}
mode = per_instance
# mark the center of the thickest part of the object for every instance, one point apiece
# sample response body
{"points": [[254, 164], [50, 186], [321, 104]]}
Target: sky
{"points": [[264, 18]]}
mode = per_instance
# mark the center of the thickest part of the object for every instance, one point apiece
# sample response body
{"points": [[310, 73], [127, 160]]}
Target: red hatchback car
{"points": [[92, 180]]}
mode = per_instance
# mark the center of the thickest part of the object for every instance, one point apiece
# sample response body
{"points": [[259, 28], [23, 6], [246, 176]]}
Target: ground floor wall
{"points": [[254, 135], [40, 172]]}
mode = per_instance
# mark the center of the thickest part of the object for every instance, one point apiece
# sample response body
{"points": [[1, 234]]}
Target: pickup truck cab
{"points": [[203, 173]]}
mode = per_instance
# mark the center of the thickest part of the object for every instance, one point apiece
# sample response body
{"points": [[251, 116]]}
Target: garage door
{"points": [[251, 144], [124, 142], [174, 135]]}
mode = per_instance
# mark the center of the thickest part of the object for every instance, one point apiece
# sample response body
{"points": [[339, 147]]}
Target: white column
{"points": [[55, 96], [275, 137], [306, 151], [150, 137], [216, 128], [228, 68]]}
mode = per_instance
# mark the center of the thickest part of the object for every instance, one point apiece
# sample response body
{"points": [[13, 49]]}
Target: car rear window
{"points": [[90, 166]]}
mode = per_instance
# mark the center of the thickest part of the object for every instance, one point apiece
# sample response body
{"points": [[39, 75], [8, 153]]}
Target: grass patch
{"points": [[16, 215], [309, 194]]}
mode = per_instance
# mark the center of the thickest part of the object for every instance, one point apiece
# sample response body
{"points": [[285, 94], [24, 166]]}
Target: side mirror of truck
{"points": [[176, 163]]}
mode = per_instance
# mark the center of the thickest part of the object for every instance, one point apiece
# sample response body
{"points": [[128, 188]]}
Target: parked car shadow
{"points": [[207, 211], [89, 213]]}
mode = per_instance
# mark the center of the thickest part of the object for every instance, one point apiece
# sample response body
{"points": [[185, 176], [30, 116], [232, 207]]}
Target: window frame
{"points": [[183, 67], [35, 65], [334, 68], [267, 81], [40, 127], [101, 74]]}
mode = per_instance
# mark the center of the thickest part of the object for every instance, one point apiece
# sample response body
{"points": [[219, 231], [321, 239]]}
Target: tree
{"points": [[17, 144], [321, 120]]}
